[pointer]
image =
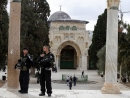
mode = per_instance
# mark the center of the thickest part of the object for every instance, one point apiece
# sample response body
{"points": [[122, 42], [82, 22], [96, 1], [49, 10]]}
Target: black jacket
{"points": [[26, 61], [46, 61]]}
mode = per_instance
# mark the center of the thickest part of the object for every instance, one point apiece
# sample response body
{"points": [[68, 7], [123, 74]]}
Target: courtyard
{"points": [[91, 90]]}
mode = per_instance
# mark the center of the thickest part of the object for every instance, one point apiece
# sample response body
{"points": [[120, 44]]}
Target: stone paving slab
{"points": [[33, 93]]}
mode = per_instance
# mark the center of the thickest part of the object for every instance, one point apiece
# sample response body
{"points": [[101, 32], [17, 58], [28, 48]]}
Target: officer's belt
{"points": [[46, 68]]}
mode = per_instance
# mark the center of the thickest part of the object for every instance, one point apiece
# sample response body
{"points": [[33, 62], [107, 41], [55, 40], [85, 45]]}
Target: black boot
{"points": [[49, 95], [24, 92], [19, 90], [42, 94]]}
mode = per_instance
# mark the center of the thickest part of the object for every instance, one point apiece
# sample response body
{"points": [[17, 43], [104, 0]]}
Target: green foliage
{"points": [[4, 22], [101, 61], [99, 38], [124, 52], [34, 25]]}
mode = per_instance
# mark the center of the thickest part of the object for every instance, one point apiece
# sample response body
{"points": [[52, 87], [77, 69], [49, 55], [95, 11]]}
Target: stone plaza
{"points": [[62, 90]]}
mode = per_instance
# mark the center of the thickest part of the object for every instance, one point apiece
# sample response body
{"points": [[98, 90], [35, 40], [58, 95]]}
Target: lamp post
{"points": [[110, 85], [14, 44]]}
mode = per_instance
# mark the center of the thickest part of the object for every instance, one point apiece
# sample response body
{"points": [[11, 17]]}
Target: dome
{"points": [[59, 15]]}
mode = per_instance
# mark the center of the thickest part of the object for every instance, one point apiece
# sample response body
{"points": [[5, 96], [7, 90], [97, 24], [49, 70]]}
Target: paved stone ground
{"points": [[33, 93], [92, 76], [62, 90]]}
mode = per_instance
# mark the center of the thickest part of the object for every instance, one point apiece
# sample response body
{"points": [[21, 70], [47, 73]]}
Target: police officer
{"points": [[26, 62], [45, 78]]}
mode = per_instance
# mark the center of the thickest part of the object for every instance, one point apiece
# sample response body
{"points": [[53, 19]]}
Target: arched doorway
{"points": [[76, 55], [68, 58]]}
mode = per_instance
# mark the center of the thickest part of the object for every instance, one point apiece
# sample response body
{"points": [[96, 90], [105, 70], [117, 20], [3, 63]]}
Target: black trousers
{"points": [[24, 80], [45, 78], [74, 83]]}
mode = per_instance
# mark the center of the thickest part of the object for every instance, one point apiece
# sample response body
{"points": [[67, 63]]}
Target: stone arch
{"points": [[77, 50], [71, 43]]}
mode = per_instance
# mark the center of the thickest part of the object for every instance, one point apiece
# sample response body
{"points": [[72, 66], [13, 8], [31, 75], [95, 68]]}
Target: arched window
{"points": [[67, 35], [74, 28], [82, 40], [86, 44], [67, 27], [56, 39], [59, 39], [61, 28], [72, 36]]}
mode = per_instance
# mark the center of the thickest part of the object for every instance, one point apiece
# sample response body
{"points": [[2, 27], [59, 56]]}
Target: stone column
{"points": [[77, 62], [57, 61], [84, 63], [110, 85], [80, 62], [14, 44]]}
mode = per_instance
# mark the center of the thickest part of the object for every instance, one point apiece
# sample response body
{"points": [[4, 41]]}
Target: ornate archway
{"points": [[76, 49], [71, 43]]}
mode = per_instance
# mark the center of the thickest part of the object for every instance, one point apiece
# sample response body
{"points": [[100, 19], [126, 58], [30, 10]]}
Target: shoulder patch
{"points": [[51, 56]]}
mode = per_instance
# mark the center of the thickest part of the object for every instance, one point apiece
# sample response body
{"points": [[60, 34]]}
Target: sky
{"points": [[88, 10]]}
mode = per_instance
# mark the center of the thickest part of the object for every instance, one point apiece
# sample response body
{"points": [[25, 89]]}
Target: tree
{"points": [[124, 53], [4, 25], [34, 25], [99, 38], [126, 60], [101, 61]]}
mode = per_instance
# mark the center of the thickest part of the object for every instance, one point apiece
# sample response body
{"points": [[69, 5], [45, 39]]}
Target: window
{"points": [[86, 44], [71, 36], [74, 28], [61, 28], [67, 27], [67, 36]]}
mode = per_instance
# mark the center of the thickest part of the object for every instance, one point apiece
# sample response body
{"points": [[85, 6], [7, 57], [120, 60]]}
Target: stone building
{"points": [[69, 41]]}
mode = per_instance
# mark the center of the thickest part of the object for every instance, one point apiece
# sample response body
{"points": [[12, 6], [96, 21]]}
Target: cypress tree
{"points": [[4, 22], [101, 62], [99, 39]]}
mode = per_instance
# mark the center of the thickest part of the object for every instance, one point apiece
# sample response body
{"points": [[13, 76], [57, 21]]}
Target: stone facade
{"points": [[73, 33]]}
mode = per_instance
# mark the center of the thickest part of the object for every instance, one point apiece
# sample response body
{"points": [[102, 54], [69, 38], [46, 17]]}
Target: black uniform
{"points": [[74, 79], [46, 64], [70, 84], [24, 73]]}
